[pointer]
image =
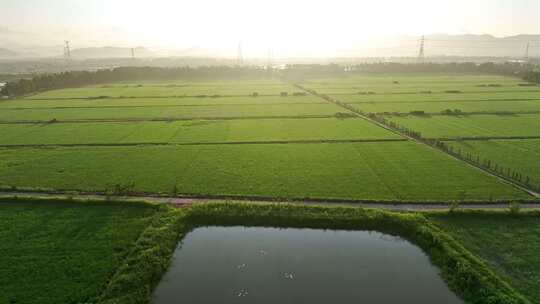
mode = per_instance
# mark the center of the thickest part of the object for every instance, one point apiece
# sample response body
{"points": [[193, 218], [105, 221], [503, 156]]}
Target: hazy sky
{"points": [[286, 25]]}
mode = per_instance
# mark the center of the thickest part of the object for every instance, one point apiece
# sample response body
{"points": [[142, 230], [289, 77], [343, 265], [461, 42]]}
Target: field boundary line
{"points": [[187, 199], [164, 119], [501, 178], [269, 142], [485, 138], [201, 96]]}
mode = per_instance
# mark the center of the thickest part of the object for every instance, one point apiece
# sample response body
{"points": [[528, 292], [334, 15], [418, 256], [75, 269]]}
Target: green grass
{"points": [[141, 102], [373, 171], [509, 245], [520, 155], [193, 131], [419, 98], [64, 252], [413, 83], [465, 107], [409, 94], [167, 89], [172, 112], [472, 126]]}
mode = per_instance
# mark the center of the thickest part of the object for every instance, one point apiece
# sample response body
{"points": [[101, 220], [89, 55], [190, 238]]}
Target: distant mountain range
{"points": [[437, 45]]}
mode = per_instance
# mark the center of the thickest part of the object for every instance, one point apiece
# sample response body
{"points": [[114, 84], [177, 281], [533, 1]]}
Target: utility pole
{"points": [[240, 55], [132, 54], [421, 53]]}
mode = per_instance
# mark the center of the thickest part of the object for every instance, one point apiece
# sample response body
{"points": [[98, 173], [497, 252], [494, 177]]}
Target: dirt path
{"points": [[187, 201]]}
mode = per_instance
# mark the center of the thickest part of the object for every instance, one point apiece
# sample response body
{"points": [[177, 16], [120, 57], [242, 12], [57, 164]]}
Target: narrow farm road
{"points": [[187, 201], [470, 163]]}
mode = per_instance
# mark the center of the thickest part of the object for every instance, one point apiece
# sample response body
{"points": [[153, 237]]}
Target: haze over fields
{"points": [[38, 28]]}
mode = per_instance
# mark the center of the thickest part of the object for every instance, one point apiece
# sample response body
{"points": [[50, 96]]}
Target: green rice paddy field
{"points": [[387, 171], [160, 136], [500, 112], [64, 252], [509, 245], [516, 125], [521, 155], [198, 131], [168, 89]]}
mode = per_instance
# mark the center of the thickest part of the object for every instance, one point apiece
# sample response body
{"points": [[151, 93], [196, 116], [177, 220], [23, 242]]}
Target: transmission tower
{"points": [[269, 60], [67, 51], [527, 52], [240, 55], [421, 53]]}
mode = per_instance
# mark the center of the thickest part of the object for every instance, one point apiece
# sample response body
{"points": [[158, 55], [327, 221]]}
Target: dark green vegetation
{"points": [[508, 244], [64, 252], [389, 171], [113, 252]]}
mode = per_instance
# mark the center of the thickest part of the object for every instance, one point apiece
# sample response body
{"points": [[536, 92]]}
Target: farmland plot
{"points": [[520, 155], [378, 171], [522, 125], [169, 112], [201, 131], [61, 252]]}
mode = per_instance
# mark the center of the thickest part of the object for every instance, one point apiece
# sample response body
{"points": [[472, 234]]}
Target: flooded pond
{"points": [[268, 265]]}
